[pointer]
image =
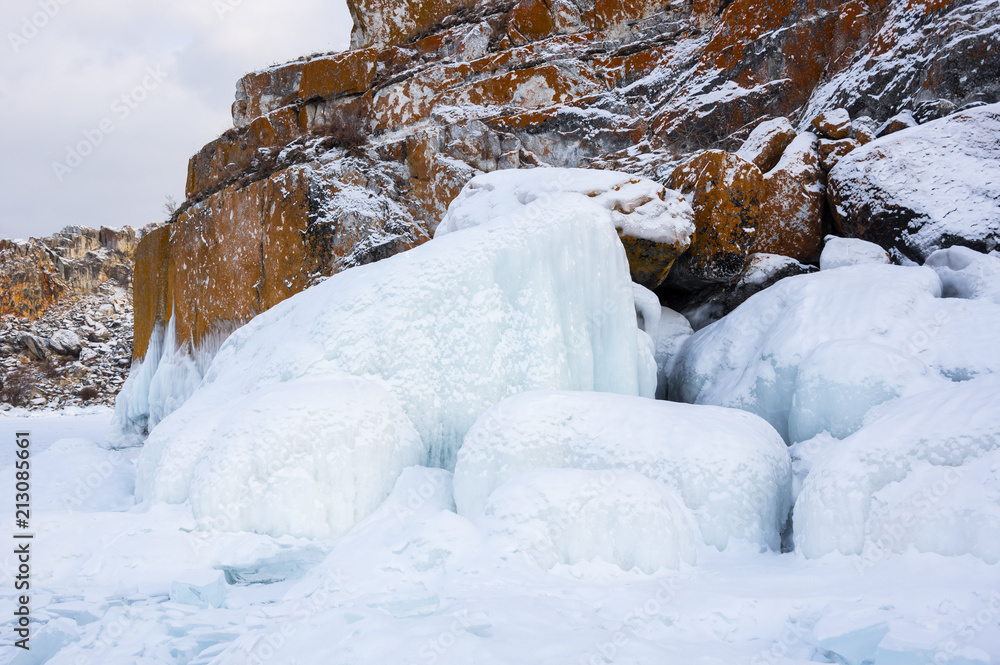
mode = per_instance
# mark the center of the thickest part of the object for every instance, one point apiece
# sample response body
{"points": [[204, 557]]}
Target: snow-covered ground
{"points": [[417, 583]]}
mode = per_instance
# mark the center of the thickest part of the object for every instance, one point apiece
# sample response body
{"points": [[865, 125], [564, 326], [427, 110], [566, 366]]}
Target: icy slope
{"points": [[816, 352], [731, 469], [449, 329]]}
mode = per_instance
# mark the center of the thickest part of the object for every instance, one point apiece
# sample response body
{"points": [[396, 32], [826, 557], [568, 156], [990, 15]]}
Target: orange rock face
{"points": [[726, 195], [791, 212], [74, 262], [336, 159]]}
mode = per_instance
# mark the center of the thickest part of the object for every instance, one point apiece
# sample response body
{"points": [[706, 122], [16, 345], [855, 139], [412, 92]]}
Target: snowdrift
{"points": [[730, 468]]}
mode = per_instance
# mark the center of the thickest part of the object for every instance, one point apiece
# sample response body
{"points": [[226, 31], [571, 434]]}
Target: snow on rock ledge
{"points": [[924, 188], [925, 474], [451, 328], [773, 353], [655, 224], [730, 468], [568, 516]]}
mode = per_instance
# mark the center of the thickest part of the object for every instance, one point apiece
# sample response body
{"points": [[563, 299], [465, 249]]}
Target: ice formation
{"points": [[752, 359], [568, 516], [161, 382], [924, 473], [840, 252], [966, 273], [673, 330], [638, 207], [307, 458], [730, 468], [449, 328]]}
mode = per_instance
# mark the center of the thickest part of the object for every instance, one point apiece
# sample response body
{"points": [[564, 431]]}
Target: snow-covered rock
{"points": [[449, 328], [966, 273], [925, 188], [568, 516], [66, 343], [656, 224], [924, 473], [731, 469], [752, 358], [840, 252], [767, 142]]}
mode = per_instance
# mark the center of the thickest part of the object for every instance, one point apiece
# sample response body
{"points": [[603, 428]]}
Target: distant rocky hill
{"points": [[341, 159], [65, 317]]}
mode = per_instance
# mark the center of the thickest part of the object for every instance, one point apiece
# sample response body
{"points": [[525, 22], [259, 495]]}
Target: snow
{"points": [[840, 252], [570, 516], [637, 207], [752, 358], [923, 473], [966, 273], [730, 468]]}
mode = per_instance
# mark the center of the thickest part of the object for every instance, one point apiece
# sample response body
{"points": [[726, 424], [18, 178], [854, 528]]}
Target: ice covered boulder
{"points": [[307, 458], [966, 273], [840, 252], [730, 468], [925, 474], [567, 516], [655, 224], [925, 188], [449, 329], [753, 358]]}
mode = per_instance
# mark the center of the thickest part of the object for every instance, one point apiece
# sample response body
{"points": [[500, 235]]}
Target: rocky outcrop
{"points": [[340, 159], [37, 273], [924, 188]]}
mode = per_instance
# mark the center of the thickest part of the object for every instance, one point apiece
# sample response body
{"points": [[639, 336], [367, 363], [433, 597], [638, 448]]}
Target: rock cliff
{"points": [[340, 159]]}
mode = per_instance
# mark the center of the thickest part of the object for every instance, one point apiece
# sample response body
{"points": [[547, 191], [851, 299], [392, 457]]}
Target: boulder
{"points": [[924, 189], [767, 142], [35, 346], [897, 123], [833, 125], [840, 252], [66, 343], [726, 192], [831, 152], [791, 214]]}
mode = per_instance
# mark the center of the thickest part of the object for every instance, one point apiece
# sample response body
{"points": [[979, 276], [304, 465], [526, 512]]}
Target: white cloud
{"points": [[88, 65]]}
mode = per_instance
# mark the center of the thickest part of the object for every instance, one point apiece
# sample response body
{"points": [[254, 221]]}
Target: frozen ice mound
{"points": [[730, 468], [924, 473], [308, 458], [966, 273], [753, 359], [638, 207], [568, 516], [448, 329], [673, 330], [839, 252], [840, 381]]}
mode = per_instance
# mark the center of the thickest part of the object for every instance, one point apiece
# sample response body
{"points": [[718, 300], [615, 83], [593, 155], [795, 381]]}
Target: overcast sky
{"points": [[104, 101]]}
